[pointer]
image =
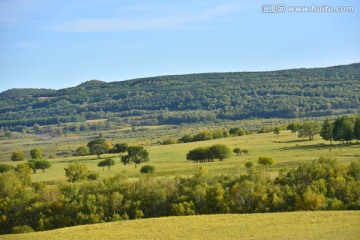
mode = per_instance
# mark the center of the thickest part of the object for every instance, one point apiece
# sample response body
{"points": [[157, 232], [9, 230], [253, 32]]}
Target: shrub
{"points": [[170, 141], [248, 164], [147, 169], [5, 168], [18, 156], [93, 176]]}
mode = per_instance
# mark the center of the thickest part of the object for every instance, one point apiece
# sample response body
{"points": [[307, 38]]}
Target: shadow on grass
{"points": [[320, 146], [296, 141]]}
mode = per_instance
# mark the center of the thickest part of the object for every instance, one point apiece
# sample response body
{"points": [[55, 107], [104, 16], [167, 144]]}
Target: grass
{"points": [[170, 160], [294, 225]]}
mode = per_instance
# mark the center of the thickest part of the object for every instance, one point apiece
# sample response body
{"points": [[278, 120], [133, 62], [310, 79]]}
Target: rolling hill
{"points": [[206, 97], [295, 225]]}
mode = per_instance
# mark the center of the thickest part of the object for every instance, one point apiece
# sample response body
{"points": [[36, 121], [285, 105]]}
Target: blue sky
{"points": [[62, 43]]}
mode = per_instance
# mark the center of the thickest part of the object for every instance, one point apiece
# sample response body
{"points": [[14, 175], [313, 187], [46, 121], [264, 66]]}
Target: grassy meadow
{"points": [[292, 225], [170, 160]]}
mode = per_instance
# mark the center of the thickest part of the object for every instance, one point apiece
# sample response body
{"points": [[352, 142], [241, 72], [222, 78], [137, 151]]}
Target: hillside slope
{"points": [[191, 98], [294, 225]]}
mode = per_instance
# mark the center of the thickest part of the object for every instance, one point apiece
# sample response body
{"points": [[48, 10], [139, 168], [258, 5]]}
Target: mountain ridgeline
{"points": [[207, 97]]}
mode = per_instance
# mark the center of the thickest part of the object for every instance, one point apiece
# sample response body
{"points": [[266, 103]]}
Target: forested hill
{"points": [[191, 98]]}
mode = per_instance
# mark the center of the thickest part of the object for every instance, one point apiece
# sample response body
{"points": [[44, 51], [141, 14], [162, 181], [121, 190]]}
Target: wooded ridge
{"points": [[205, 97]]}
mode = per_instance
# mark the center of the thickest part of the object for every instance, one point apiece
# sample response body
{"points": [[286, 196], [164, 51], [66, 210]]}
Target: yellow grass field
{"points": [[294, 225]]}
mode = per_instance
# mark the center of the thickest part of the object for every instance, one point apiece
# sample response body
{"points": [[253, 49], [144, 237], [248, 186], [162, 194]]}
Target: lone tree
{"points": [[327, 130], [18, 156], [309, 129], [36, 153], [76, 172], [108, 162], [82, 151], [266, 161], [99, 146], [42, 164], [237, 151], [99, 149], [137, 155]]}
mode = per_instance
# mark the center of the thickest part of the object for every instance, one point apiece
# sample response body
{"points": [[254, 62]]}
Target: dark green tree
{"points": [[147, 169], [327, 130], [32, 165], [82, 151], [237, 151], [248, 164], [309, 129], [120, 148], [137, 155], [343, 130], [293, 127], [42, 164], [108, 162], [220, 151], [5, 168], [200, 154], [99, 149]]}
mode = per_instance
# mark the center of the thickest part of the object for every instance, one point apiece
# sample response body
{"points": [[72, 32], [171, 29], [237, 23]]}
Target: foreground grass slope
{"points": [[295, 225]]}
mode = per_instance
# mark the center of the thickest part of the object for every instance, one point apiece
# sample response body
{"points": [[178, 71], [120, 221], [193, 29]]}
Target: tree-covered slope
{"points": [[192, 98]]}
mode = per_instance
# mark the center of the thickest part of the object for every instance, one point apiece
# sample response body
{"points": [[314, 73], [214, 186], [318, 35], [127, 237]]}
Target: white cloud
{"points": [[177, 20]]}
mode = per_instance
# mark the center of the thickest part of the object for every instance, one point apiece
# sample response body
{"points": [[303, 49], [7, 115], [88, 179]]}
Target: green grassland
{"points": [[170, 160], [294, 225]]}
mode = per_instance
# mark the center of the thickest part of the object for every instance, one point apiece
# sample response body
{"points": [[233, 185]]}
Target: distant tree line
{"points": [[208, 135]]}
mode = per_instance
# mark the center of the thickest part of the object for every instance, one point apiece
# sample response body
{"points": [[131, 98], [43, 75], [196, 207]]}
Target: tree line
{"points": [[322, 184], [342, 129]]}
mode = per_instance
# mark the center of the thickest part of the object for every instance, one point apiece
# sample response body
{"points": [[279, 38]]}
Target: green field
{"points": [[295, 225], [170, 160]]}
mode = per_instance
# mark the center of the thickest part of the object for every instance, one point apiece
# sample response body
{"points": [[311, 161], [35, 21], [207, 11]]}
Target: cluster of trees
{"points": [[37, 162], [319, 185], [208, 154], [100, 146], [305, 130], [342, 129], [209, 135], [191, 98]]}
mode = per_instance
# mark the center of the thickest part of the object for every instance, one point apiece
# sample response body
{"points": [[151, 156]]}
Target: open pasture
{"points": [[170, 160]]}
